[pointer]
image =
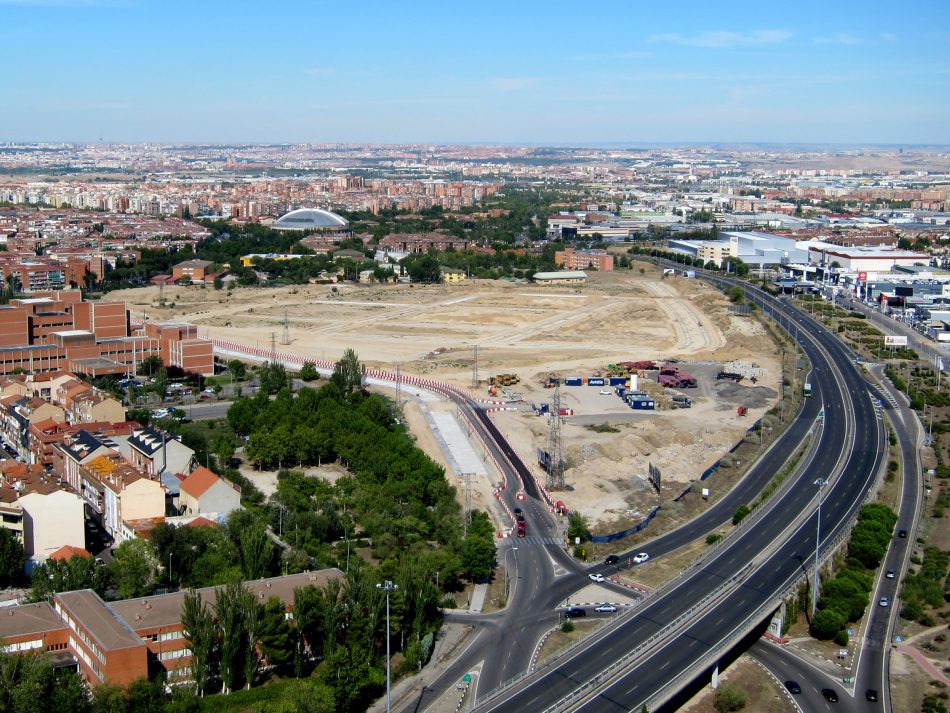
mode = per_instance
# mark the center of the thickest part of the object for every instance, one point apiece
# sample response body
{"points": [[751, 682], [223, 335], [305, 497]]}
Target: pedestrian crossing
{"points": [[536, 540]]}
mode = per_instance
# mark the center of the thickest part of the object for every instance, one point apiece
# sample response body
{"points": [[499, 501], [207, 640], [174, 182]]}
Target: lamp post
{"points": [[387, 587], [814, 592]]}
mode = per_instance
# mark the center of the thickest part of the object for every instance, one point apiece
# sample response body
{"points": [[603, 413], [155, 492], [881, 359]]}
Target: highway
{"points": [[851, 443]]}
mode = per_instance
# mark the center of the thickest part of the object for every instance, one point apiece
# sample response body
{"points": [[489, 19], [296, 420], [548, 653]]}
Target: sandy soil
{"points": [[531, 331]]}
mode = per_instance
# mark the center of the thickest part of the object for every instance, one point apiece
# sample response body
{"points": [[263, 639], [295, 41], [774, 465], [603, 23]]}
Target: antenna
{"points": [[398, 387], [273, 347], [286, 337], [555, 479], [475, 367]]}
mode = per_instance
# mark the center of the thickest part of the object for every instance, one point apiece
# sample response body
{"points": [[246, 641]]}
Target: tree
{"points": [[577, 526], [308, 372], [730, 698], [199, 631], [135, 568], [161, 382], [276, 635], [229, 610], [828, 622], [273, 377], [250, 620], [237, 369], [11, 558], [77, 572], [348, 373], [150, 365], [741, 513]]}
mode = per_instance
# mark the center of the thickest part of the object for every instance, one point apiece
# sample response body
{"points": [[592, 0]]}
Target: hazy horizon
{"points": [[514, 74]]}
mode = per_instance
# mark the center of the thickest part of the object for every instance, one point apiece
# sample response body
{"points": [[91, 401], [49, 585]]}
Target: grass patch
{"points": [[603, 428]]}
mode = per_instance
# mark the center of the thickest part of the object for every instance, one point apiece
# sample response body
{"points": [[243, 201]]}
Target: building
{"points": [[566, 277], [422, 242], [203, 492], [866, 258], [312, 219], [571, 259], [193, 270], [120, 642]]}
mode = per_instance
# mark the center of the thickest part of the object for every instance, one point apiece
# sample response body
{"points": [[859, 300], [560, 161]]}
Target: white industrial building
{"points": [[875, 259]]}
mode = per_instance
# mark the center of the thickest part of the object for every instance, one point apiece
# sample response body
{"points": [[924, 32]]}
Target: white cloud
{"points": [[839, 38], [723, 39], [513, 84]]}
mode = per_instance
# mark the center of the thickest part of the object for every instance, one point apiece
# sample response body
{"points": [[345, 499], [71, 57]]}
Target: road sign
{"points": [[898, 639]]}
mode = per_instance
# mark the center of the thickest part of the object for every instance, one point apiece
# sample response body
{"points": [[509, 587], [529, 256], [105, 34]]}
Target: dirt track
{"points": [[531, 331]]}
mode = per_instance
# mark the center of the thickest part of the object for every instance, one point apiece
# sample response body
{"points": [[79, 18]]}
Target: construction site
{"points": [[649, 369]]}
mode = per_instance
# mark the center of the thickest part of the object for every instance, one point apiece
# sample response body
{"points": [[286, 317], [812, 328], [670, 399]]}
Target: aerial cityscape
{"points": [[438, 358]]}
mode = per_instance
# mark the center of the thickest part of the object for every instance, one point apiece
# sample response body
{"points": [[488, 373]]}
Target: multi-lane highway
{"points": [[772, 552]]}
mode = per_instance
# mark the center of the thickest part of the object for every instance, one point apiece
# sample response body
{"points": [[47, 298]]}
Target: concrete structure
{"points": [[193, 270], [422, 242], [566, 277], [203, 492], [311, 219], [571, 259], [114, 642], [865, 258], [52, 518]]}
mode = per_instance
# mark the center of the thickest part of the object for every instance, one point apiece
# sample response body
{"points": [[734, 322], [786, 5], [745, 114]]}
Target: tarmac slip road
{"points": [[858, 447]]}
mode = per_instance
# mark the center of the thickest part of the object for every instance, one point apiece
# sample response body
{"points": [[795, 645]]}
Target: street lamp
{"points": [[387, 587], [814, 592]]}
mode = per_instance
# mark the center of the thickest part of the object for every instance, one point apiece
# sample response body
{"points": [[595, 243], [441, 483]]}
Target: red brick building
{"points": [[571, 259]]}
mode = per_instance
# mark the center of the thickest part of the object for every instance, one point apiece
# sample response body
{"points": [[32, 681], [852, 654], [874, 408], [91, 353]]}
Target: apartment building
{"points": [[115, 642], [571, 259]]}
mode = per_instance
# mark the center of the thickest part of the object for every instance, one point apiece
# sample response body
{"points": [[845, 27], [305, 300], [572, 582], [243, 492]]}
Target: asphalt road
{"points": [[850, 441]]}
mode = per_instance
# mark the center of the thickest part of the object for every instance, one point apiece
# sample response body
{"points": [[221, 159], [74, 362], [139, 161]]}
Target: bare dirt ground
{"points": [[763, 693], [531, 331]]}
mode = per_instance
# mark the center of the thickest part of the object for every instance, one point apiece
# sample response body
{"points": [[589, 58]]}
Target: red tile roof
{"points": [[67, 552], [198, 482]]}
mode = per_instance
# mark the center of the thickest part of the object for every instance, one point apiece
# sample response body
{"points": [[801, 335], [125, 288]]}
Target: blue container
{"points": [[595, 381], [617, 380], [642, 404], [572, 381]]}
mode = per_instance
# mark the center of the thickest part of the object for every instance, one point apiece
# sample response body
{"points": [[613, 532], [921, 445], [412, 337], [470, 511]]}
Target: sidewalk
{"points": [[925, 663]]}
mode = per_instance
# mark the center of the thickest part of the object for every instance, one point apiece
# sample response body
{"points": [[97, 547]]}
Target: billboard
{"points": [[862, 277], [891, 340]]}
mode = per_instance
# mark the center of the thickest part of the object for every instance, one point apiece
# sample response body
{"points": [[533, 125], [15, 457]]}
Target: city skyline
{"points": [[512, 74]]}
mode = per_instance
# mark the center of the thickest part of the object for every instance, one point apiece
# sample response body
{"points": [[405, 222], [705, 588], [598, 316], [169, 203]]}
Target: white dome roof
{"points": [[309, 218]]}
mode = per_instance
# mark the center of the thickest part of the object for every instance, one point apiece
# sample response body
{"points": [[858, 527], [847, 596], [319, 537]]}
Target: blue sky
{"points": [[456, 71]]}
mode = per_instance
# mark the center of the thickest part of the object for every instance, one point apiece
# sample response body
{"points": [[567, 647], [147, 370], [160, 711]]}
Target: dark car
{"points": [[793, 687], [611, 559], [830, 695], [871, 695], [575, 612], [517, 511], [902, 533]]}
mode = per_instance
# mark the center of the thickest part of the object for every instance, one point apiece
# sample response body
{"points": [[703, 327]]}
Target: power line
{"points": [[555, 479]]}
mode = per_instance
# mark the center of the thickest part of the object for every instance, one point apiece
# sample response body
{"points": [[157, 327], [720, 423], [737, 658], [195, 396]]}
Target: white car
{"points": [[641, 558], [606, 609], [604, 392], [596, 577]]}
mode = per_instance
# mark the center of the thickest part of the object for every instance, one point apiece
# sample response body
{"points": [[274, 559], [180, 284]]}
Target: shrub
{"points": [[841, 638], [730, 698], [827, 622], [741, 513], [567, 627]]}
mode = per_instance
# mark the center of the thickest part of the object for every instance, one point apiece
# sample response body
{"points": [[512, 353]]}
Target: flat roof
{"points": [[74, 333], [106, 627], [563, 275], [164, 610], [28, 619]]}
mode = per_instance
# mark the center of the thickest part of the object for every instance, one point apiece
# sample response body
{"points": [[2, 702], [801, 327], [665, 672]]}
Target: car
{"points": [[640, 558], [575, 612], [519, 517], [830, 695], [605, 608], [885, 601], [596, 577], [871, 695], [890, 574], [604, 392], [612, 559], [101, 562], [793, 687], [518, 511], [902, 534]]}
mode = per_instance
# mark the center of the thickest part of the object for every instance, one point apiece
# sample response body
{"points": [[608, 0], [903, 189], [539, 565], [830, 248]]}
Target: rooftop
{"points": [[105, 626]]}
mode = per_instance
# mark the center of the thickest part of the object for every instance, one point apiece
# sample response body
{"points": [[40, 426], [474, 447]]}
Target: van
{"points": [[575, 612], [612, 559]]}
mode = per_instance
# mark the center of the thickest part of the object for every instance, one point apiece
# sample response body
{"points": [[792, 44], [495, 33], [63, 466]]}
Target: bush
{"points": [[567, 627], [841, 638], [827, 623], [730, 698], [713, 538], [741, 513]]}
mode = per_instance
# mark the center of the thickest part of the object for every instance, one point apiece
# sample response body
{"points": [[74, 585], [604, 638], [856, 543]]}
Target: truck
{"points": [[806, 389]]}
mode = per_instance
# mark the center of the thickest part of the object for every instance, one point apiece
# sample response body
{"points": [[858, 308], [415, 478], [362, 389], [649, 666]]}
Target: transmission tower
{"points": [[273, 347], [475, 367], [398, 387], [286, 338], [556, 468]]}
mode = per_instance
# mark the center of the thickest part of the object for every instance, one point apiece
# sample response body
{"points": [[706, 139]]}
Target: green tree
{"points": [[273, 377], [730, 698], [828, 622], [161, 382], [232, 635], [77, 572], [134, 569], [11, 558], [348, 373], [577, 526], [741, 513], [237, 369], [276, 634], [150, 365], [308, 372], [199, 631]]}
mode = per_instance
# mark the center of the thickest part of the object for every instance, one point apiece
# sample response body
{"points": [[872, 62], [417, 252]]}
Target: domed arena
{"points": [[311, 219]]}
